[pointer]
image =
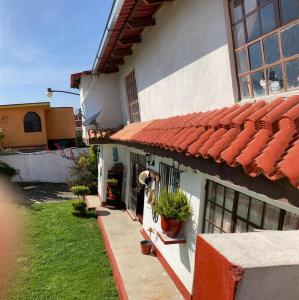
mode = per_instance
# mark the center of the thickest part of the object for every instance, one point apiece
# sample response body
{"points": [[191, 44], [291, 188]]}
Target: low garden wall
{"points": [[45, 166]]}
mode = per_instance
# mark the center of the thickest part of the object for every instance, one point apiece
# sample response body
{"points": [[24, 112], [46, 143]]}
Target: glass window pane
{"points": [[242, 209], [211, 191], [256, 211], [255, 55], [253, 26], [220, 194], [227, 221], [258, 84], [210, 211], [218, 216], [208, 227], [289, 10], [216, 230], [268, 18], [241, 226], [291, 221], [241, 57], [275, 80], [290, 40], [236, 10], [244, 87], [292, 71], [271, 217], [229, 199], [239, 35], [271, 49], [249, 5]]}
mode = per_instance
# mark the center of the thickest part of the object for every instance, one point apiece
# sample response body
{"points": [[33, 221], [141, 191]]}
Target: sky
{"points": [[43, 42]]}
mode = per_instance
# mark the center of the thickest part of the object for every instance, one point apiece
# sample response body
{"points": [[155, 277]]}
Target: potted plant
{"points": [[174, 208], [112, 189]]}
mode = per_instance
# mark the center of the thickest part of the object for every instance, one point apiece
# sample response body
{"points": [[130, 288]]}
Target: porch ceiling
{"points": [[261, 137], [133, 18]]}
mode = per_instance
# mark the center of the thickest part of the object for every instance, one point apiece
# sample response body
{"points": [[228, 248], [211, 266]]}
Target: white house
{"points": [[206, 92]]}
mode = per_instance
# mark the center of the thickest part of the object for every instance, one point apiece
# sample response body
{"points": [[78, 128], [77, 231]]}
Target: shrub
{"points": [[173, 205], [7, 170], [85, 171], [80, 190], [79, 205]]}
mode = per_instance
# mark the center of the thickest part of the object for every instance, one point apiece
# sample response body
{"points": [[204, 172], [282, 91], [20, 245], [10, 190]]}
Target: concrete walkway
{"points": [[141, 277]]}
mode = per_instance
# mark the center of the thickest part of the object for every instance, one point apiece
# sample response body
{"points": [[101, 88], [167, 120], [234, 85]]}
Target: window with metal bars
{"points": [[132, 95], [32, 122], [227, 210], [169, 177], [266, 42]]}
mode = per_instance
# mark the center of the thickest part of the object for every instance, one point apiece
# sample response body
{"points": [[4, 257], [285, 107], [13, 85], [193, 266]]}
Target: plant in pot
{"points": [[112, 189], [174, 208]]}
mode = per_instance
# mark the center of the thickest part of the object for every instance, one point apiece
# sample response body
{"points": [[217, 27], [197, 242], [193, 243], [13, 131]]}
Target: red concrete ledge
{"points": [[116, 273], [176, 280]]}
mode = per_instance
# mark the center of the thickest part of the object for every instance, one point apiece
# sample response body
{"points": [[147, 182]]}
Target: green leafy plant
{"points": [[85, 171], [7, 170], [173, 205], [80, 190], [79, 205], [112, 182]]}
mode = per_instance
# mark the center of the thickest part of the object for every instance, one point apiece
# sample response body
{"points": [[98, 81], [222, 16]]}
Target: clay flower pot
{"points": [[171, 227], [146, 247]]}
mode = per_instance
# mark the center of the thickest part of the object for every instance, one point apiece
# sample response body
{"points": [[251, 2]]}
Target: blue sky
{"points": [[43, 42]]}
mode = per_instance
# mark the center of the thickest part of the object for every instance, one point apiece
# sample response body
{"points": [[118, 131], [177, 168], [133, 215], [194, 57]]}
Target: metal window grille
{"points": [[132, 95], [227, 210], [169, 177]]}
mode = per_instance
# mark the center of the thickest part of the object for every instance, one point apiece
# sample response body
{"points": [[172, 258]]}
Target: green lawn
{"points": [[66, 258]]}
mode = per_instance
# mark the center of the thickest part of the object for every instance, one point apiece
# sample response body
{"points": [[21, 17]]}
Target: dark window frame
{"points": [[265, 68], [132, 97], [32, 122], [234, 211]]}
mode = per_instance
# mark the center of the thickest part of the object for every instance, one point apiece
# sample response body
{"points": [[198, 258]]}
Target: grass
{"points": [[66, 258]]}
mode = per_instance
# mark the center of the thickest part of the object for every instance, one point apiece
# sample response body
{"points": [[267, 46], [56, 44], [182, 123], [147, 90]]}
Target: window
{"points": [[170, 177], [32, 122], [132, 95], [227, 210], [266, 40]]}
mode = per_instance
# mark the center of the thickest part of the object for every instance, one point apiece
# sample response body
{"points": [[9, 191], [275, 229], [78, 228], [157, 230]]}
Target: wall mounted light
{"points": [[150, 160]]}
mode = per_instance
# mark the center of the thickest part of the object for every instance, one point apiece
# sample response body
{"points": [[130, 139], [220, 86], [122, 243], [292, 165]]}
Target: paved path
{"points": [[44, 192], [143, 276]]}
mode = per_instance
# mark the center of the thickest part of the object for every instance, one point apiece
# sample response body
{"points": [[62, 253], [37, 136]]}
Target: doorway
{"points": [[136, 197]]}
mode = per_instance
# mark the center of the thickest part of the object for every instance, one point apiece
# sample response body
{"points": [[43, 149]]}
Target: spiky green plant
{"points": [[173, 205]]}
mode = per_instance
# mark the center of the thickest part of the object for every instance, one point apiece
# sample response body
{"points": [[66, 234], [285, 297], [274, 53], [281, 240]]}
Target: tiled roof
{"points": [[261, 137]]}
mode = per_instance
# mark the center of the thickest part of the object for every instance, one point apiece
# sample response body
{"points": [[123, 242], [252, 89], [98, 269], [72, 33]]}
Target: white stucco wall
{"points": [[183, 64], [101, 93], [179, 256]]}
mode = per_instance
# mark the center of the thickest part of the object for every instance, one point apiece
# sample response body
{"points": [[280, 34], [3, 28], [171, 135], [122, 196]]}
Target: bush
{"points": [[7, 170], [80, 190], [79, 205], [173, 205], [85, 171]]}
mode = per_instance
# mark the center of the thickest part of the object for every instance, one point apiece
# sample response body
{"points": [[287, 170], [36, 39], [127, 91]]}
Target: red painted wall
{"points": [[215, 278]]}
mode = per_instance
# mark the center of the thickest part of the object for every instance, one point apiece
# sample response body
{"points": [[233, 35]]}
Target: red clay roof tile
{"points": [[261, 137]]}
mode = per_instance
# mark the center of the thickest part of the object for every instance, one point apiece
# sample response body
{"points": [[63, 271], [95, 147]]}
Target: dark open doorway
{"points": [[136, 198]]}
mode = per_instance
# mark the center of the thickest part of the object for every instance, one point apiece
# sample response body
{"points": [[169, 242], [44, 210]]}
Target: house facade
{"points": [[207, 93], [36, 126]]}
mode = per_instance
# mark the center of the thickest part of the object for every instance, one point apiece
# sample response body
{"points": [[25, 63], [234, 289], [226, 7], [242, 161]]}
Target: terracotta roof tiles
{"points": [[261, 137]]}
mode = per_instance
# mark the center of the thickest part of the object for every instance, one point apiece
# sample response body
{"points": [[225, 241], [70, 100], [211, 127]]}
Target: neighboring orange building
{"points": [[32, 126]]}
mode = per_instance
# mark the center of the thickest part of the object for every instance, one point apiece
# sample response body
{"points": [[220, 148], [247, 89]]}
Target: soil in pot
{"points": [[146, 247], [171, 227]]}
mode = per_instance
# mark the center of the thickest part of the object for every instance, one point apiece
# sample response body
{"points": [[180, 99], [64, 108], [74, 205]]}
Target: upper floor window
{"points": [[32, 122], [132, 95], [266, 42]]}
